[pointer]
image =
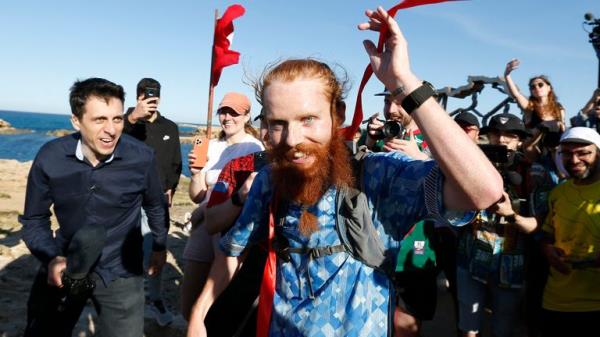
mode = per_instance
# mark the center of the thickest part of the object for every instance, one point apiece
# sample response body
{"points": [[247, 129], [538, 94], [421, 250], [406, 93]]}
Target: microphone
{"points": [[84, 250], [589, 16]]}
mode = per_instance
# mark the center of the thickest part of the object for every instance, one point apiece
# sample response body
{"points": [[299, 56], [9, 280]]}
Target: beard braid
{"points": [[307, 185]]}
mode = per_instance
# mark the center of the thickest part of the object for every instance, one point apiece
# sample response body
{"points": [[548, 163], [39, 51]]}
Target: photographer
{"points": [[398, 132], [589, 115], [145, 123], [491, 250]]}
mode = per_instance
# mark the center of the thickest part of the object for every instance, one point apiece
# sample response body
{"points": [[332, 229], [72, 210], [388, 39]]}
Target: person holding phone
{"points": [[237, 138], [147, 124]]}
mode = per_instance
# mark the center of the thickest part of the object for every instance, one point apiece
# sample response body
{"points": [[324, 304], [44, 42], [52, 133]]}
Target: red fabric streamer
{"points": [[384, 34], [222, 55], [267, 287]]}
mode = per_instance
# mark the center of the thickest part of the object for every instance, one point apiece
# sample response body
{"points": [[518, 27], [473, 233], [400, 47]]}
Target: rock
{"points": [[60, 132], [7, 129], [4, 124]]}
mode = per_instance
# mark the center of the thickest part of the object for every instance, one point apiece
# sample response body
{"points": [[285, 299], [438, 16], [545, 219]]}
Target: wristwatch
{"points": [[414, 100], [235, 199], [510, 218]]}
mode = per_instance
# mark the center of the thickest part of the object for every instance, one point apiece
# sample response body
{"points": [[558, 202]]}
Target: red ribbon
{"points": [[349, 131]]}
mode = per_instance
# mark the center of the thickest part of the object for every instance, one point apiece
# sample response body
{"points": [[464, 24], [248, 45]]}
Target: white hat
{"points": [[581, 134]]}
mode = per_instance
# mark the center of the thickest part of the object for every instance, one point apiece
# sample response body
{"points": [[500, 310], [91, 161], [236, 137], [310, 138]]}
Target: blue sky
{"points": [[46, 45]]}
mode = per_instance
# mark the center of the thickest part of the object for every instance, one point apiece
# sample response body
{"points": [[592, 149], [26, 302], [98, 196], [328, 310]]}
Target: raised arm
{"points": [[471, 180], [592, 107], [522, 101]]}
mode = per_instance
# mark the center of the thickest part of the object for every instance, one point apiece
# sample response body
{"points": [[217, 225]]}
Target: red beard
{"points": [[307, 185]]}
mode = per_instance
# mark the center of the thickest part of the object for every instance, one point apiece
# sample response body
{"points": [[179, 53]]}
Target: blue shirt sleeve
{"points": [[395, 187], [37, 234], [252, 224], [155, 205]]}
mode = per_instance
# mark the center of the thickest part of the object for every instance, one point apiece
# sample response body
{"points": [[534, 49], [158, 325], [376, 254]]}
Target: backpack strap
{"points": [[431, 187]]}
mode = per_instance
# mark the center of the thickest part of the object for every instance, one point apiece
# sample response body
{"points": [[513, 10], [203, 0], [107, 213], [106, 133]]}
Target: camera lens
{"points": [[392, 129]]}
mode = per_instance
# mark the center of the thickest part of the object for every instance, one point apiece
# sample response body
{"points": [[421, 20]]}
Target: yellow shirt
{"points": [[574, 222]]}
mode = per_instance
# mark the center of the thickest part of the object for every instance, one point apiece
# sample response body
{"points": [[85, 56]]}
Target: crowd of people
{"points": [[295, 234]]}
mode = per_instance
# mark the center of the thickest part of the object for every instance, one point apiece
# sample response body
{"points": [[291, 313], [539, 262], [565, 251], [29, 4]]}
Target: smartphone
{"points": [[201, 151], [260, 160], [151, 92]]}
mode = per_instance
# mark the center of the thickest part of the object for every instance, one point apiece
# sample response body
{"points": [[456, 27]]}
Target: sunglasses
{"points": [[229, 112], [539, 85]]}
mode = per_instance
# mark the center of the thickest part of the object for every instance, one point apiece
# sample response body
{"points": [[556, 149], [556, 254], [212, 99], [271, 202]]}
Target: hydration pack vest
{"points": [[359, 237]]}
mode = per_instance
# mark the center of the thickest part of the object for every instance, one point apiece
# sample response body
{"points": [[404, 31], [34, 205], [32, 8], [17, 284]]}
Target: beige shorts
{"points": [[199, 246]]}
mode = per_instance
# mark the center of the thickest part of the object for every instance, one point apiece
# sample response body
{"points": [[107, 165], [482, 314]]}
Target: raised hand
{"points": [[391, 66], [511, 65]]}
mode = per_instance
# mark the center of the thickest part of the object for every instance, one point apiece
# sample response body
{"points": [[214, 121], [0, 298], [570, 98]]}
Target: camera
{"points": [[497, 154], [507, 162], [260, 160], [390, 129], [151, 92]]}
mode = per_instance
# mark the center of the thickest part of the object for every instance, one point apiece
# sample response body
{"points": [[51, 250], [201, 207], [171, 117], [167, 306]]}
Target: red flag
{"points": [[349, 131], [222, 55]]}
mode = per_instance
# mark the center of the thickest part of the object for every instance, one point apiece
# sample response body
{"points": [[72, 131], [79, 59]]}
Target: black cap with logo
{"points": [[506, 122]]}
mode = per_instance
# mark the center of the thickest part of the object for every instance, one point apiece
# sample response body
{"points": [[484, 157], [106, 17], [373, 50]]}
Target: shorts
{"points": [[418, 291], [199, 246]]}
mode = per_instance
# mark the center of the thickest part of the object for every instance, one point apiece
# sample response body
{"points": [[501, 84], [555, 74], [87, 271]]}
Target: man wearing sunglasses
{"points": [[571, 299]]}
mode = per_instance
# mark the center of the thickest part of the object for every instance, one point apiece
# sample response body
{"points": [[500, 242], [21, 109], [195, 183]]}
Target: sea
{"points": [[23, 147]]}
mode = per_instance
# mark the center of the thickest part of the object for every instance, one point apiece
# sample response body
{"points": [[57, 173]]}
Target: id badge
{"points": [[481, 260]]}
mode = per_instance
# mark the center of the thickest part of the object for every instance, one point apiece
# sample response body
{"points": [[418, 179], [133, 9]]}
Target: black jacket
{"points": [[163, 136]]}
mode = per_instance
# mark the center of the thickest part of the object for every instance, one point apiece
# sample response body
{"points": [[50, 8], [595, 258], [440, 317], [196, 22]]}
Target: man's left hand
{"points": [[157, 261], [408, 147]]}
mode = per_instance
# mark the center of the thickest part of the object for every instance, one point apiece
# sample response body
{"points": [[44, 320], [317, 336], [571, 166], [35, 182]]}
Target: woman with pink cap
{"points": [[237, 138]]}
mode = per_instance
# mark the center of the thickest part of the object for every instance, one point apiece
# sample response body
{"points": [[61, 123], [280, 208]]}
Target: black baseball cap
{"points": [[261, 115], [506, 122], [467, 118], [385, 92]]}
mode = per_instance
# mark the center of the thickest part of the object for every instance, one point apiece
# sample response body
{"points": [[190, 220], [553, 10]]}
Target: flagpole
{"points": [[211, 90]]}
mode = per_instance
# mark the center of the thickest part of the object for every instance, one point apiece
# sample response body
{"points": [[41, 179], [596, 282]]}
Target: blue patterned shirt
{"points": [[350, 298]]}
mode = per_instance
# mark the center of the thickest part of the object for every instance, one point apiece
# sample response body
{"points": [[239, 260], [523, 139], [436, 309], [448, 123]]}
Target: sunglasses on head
{"points": [[539, 85]]}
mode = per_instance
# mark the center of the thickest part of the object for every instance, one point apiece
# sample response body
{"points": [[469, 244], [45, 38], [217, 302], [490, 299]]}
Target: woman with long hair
{"points": [[541, 105], [237, 138]]}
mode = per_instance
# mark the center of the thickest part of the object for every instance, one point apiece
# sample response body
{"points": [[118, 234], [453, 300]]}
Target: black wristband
{"points": [[235, 199], [414, 100]]}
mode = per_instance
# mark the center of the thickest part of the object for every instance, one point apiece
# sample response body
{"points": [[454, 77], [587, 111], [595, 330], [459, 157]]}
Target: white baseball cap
{"points": [[582, 135]]}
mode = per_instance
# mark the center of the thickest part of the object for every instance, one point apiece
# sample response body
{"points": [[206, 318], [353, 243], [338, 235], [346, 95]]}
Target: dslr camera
{"points": [[390, 129], [507, 162]]}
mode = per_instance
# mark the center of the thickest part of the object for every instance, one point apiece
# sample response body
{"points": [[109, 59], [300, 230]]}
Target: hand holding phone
{"points": [[200, 151]]}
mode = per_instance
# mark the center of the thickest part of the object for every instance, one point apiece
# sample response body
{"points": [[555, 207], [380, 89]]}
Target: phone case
{"points": [[200, 151]]}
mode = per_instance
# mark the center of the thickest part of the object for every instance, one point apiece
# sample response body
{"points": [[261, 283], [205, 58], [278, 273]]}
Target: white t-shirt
{"points": [[220, 153]]}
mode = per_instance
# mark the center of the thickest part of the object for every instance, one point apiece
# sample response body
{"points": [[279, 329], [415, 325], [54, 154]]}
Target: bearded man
{"points": [[571, 299], [336, 294]]}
